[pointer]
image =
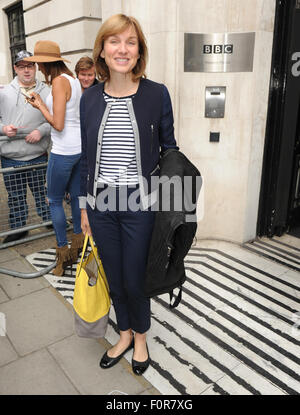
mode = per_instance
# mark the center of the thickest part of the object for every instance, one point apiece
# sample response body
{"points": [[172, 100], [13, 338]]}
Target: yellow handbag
{"points": [[91, 300]]}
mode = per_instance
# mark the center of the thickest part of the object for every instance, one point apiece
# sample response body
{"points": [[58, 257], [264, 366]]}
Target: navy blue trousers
{"points": [[123, 240]]}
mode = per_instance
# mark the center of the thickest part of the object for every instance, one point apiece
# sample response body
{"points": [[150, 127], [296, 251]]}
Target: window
{"points": [[16, 29]]}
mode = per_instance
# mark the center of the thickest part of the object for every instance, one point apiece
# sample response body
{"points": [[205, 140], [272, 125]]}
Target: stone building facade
{"points": [[232, 167]]}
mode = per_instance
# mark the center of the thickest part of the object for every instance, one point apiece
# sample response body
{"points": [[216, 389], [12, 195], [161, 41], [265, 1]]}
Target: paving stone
{"points": [[35, 374], [151, 391], [16, 287], [37, 320], [36, 245], [8, 354], [3, 296], [80, 358], [7, 254]]}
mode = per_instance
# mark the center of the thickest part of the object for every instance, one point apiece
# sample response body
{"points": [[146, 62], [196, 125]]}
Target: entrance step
{"points": [[284, 250]]}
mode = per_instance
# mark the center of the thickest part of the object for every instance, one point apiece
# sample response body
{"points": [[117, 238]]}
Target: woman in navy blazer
{"points": [[123, 235]]}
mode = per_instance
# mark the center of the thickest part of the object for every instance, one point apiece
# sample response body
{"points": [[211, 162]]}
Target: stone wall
{"points": [[231, 168]]}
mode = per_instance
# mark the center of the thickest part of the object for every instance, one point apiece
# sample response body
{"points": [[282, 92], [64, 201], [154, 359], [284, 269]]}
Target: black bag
{"points": [[172, 234]]}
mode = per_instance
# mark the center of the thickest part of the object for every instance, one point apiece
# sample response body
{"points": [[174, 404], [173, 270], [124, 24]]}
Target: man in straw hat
{"points": [[28, 139]]}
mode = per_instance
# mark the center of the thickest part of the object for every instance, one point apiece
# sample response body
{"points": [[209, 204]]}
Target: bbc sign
{"points": [[219, 52], [217, 49]]}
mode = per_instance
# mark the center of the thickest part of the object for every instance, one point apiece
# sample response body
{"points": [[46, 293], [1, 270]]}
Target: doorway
{"points": [[279, 208]]}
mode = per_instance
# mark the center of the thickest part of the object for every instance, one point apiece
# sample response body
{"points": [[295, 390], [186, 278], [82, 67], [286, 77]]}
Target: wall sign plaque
{"points": [[219, 52]]}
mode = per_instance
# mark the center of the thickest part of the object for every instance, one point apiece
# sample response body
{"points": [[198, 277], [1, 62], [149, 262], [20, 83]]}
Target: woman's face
{"points": [[121, 51]]}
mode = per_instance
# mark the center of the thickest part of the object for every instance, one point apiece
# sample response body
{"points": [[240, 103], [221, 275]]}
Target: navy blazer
{"points": [[152, 118]]}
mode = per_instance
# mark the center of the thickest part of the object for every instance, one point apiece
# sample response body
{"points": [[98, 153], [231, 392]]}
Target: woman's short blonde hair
{"points": [[112, 26]]}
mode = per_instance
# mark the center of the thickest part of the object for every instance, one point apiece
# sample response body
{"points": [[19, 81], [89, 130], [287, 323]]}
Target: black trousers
{"points": [[123, 240]]}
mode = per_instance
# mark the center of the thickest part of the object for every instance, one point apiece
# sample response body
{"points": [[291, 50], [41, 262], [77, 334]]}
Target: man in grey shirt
{"points": [[28, 139]]}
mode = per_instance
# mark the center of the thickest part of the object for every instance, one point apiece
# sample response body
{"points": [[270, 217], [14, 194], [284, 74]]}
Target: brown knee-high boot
{"points": [[76, 246], [63, 260]]}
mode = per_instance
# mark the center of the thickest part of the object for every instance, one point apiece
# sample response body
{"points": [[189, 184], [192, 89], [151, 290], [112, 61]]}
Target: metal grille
{"points": [[16, 182], [23, 202]]}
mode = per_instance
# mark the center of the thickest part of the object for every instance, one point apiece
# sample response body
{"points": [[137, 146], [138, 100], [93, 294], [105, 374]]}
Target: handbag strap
{"points": [[177, 299], [94, 249], [95, 253], [86, 239]]}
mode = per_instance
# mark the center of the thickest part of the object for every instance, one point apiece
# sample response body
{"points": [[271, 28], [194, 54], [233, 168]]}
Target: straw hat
{"points": [[46, 51]]}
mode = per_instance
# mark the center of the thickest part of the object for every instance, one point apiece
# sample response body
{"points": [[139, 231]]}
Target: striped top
{"points": [[118, 159]]}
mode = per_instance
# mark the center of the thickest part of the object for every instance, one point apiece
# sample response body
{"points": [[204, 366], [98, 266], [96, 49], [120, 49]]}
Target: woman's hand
{"points": [[85, 225], [35, 100]]}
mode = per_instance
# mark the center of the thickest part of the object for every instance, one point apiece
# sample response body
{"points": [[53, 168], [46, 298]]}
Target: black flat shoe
{"points": [[106, 362], [139, 368]]}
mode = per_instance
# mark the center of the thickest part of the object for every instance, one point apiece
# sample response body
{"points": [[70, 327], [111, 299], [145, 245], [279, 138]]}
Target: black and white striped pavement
{"points": [[277, 250], [237, 329]]}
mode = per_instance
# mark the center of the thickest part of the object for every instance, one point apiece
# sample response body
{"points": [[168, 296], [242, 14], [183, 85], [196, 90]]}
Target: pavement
{"points": [[236, 331], [40, 353]]}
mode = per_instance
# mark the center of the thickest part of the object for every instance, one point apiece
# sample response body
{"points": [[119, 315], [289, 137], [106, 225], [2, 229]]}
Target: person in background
{"points": [[126, 121], [85, 72], [28, 139], [61, 110]]}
